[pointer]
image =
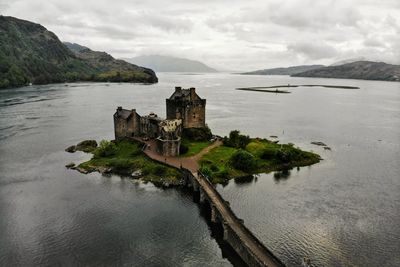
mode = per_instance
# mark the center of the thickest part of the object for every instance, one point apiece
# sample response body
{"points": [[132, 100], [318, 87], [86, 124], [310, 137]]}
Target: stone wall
{"points": [[189, 107], [126, 123], [168, 148]]}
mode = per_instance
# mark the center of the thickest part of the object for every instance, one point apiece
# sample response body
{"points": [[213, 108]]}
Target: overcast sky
{"points": [[229, 34]]}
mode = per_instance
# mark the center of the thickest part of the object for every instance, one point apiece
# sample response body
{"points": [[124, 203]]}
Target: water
{"points": [[343, 211]]}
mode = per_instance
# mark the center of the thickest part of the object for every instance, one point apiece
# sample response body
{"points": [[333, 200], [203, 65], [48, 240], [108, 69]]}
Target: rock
{"points": [[103, 170], [327, 148], [70, 165], [318, 143], [87, 146], [137, 174], [71, 149], [81, 170], [273, 136]]}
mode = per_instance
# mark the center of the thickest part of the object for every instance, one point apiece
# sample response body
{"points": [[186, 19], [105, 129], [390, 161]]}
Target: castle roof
{"points": [[184, 94], [123, 113]]}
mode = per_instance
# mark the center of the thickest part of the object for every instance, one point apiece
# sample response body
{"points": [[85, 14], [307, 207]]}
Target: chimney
{"points": [[178, 88], [119, 108], [192, 92]]}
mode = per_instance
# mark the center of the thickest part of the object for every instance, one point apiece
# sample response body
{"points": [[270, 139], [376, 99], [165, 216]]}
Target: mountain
{"points": [[76, 48], [350, 60], [365, 70], [170, 64], [284, 71], [108, 65], [29, 53]]}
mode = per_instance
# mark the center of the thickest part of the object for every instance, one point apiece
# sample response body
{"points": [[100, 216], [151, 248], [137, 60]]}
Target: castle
{"points": [[185, 109]]}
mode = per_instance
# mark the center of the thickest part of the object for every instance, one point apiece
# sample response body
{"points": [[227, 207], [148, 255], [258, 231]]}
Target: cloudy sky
{"points": [[228, 34]]}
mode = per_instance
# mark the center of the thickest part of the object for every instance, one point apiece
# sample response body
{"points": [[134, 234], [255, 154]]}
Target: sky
{"points": [[226, 34]]}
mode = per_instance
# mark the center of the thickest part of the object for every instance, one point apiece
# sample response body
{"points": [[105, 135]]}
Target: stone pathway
{"points": [[190, 163]]}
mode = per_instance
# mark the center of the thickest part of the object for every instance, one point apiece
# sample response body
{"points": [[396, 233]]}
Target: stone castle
{"points": [[185, 109]]}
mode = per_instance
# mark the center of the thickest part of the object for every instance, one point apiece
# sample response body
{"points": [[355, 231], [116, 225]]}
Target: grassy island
{"points": [[241, 155], [237, 155], [127, 158]]}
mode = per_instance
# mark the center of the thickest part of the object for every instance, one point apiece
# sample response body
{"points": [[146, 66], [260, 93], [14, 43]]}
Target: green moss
{"points": [[225, 162], [126, 158]]}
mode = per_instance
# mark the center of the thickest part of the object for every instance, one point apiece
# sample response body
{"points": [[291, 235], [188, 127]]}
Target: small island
{"points": [[156, 150]]}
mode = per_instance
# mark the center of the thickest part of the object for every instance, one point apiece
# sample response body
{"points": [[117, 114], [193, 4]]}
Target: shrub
{"points": [[268, 153], [197, 134], [206, 171], [243, 160], [284, 155], [236, 140], [105, 149]]}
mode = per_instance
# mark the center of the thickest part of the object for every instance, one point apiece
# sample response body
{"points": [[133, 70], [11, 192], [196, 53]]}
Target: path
{"points": [[190, 163]]}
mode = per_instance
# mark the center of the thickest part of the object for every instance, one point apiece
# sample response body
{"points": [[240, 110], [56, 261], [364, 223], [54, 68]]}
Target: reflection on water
{"points": [[281, 175], [244, 179], [343, 211]]}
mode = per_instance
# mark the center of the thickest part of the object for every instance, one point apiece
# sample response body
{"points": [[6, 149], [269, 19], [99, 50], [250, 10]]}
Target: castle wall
{"points": [[126, 127], [195, 115], [168, 148], [187, 106]]}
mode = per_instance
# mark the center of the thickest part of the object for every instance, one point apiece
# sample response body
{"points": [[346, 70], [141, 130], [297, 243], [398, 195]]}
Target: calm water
{"points": [[344, 211]]}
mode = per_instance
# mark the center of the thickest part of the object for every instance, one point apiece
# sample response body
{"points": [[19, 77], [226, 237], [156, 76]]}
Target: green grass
{"points": [[128, 157], [194, 147], [268, 157]]}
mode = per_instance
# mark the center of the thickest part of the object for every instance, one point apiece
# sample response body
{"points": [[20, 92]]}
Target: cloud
{"points": [[313, 50], [231, 34]]}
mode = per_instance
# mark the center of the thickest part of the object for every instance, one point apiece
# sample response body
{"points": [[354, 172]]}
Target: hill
{"points": [[29, 53], [284, 71], [109, 66], [365, 70], [170, 64]]}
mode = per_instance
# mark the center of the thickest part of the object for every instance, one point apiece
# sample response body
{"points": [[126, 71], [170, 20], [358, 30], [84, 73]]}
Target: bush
{"points": [[243, 161], [268, 153], [206, 171], [197, 134], [236, 140], [284, 156], [105, 149]]}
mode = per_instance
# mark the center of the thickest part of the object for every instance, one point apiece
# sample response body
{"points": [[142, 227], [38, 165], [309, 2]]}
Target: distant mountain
{"points": [[284, 71], [365, 70], [29, 53], [170, 64]]}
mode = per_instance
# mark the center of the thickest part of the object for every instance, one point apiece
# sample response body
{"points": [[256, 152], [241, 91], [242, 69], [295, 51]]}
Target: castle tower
{"points": [[186, 105]]}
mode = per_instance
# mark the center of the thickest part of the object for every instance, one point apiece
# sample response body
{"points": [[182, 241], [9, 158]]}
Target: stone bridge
{"points": [[236, 234]]}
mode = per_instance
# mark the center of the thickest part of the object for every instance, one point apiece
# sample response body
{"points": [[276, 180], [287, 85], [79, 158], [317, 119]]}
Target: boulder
{"points": [[71, 149], [70, 165], [137, 174]]}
